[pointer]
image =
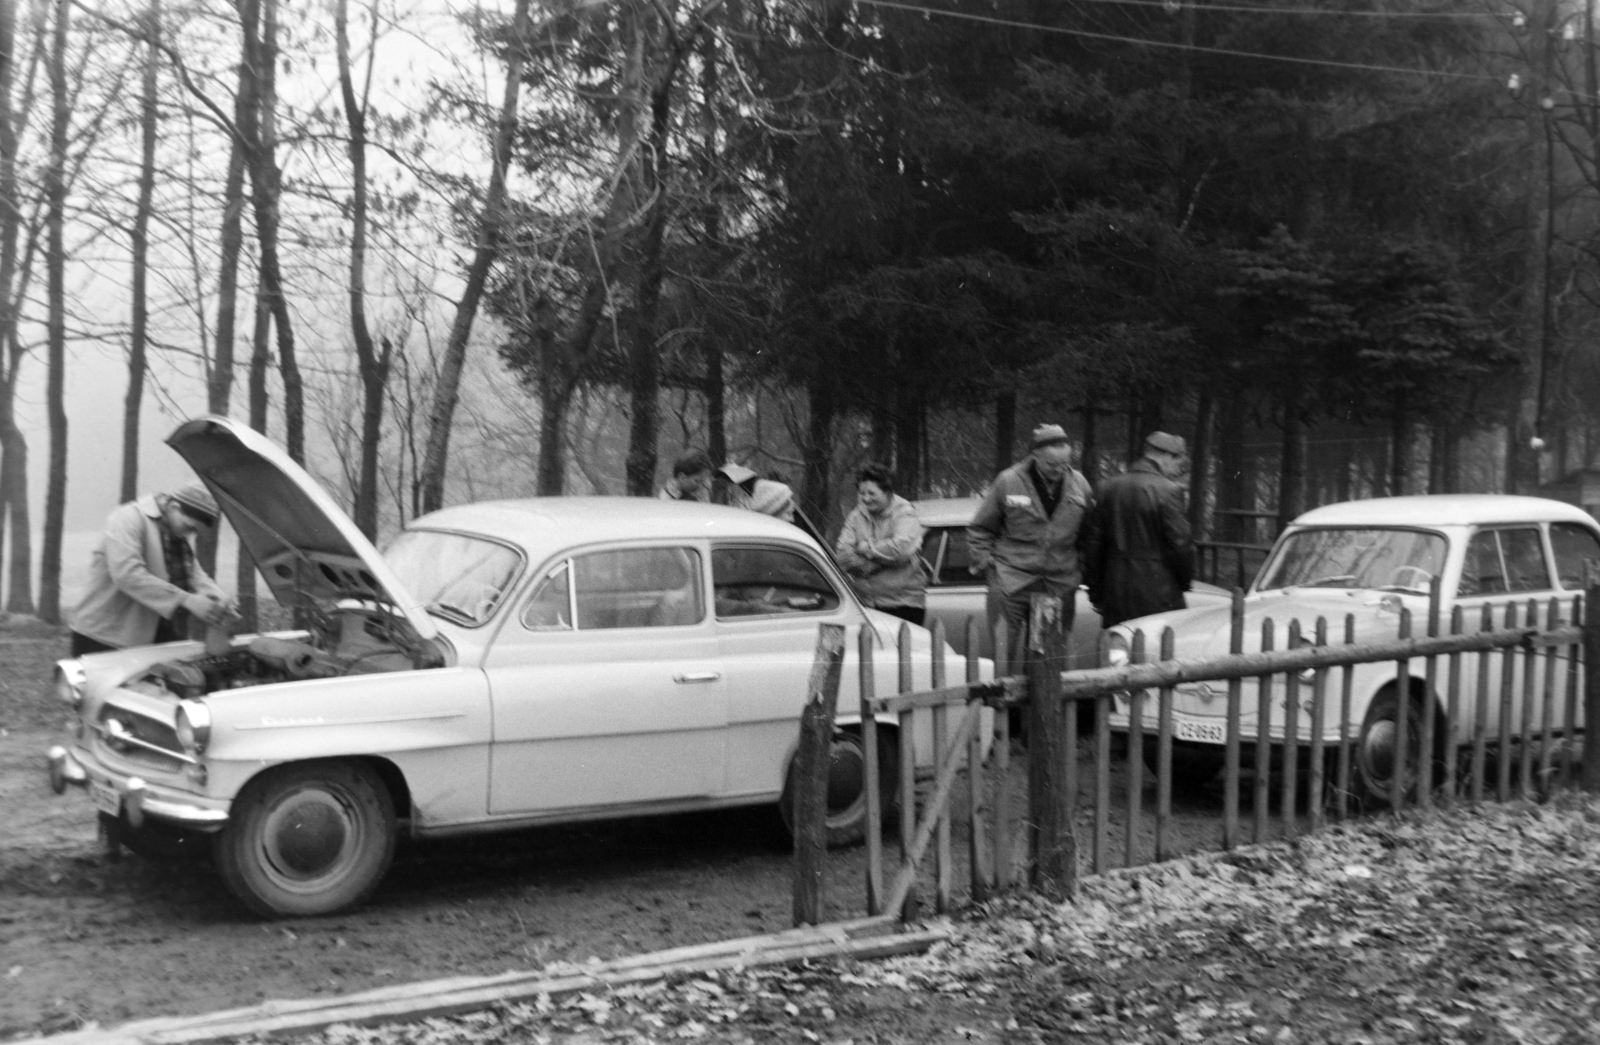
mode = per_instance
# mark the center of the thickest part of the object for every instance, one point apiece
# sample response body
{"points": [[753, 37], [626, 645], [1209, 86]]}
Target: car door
{"points": [[1503, 566], [607, 688], [768, 601]]}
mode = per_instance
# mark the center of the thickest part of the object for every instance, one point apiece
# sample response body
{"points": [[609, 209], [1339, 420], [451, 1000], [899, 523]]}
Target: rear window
{"points": [[753, 582], [1577, 553]]}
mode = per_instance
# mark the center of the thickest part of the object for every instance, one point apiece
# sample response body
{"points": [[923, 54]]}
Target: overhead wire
{"points": [[1173, 45], [1167, 5]]}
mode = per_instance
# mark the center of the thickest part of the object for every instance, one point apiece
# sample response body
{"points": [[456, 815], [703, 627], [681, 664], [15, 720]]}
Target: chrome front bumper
{"points": [[138, 799]]}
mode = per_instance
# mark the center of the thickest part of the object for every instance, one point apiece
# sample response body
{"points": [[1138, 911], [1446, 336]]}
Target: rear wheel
{"points": [[307, 839], [847, 786], [1377, 755]]}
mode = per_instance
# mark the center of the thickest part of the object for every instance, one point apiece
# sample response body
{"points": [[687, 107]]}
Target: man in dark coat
{"points": [[1138, 557]]}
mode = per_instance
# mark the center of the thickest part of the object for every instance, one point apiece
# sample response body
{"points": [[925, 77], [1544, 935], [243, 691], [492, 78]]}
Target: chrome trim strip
{"points": [[320, 724]]}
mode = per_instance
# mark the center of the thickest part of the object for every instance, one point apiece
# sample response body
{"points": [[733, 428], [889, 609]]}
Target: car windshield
{"points": [[458, 577], [1393, 560]]}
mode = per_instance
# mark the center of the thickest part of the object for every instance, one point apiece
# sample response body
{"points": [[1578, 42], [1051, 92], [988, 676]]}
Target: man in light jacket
{"points": [[880, 547], [144, 583], [1024, 537]]}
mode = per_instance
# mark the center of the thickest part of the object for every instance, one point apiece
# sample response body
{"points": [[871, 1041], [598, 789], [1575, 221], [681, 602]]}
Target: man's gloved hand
{"points": [[209, 608]]}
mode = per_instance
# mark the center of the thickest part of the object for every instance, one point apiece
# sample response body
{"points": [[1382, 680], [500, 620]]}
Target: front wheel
{"points": [[847, 787], [1377, 758], [308, 839]]}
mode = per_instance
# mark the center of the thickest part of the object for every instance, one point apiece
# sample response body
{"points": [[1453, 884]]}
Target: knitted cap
{"points": [[1170, 444], [1049, 435], [197, 502]]}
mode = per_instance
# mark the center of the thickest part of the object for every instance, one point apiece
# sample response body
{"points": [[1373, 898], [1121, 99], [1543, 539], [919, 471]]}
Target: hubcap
{"points": [[847, 777], [1377, 749], [308, 835]]}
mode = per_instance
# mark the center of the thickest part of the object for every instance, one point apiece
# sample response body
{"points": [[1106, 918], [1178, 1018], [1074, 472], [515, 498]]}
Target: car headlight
{"points": [[69, 682], [193, 726], [1116, 649]]}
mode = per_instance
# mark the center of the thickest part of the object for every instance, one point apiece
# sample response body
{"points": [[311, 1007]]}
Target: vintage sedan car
{"points": [[501, 665], [1371, 558], [955, 596]]}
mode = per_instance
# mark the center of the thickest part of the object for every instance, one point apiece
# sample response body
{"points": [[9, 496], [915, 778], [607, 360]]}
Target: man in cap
{"points": [[1138, 557], [1024, 537], [691, 478], [144, 584]]}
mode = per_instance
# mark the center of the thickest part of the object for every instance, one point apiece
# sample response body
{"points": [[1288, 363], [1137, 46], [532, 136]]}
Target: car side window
{"points": [[1576, 548], [1482, 572], [1504, 561], [1526, 569], [754, 582], [955, 569], [550, 609], [626, 588]]}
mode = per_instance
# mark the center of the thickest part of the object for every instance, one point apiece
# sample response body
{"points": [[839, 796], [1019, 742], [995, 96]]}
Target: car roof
{"points": [[1465, 509], [543, 524], [946, 511]]}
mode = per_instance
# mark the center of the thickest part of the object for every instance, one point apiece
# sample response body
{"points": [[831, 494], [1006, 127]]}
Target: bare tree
{"points": [[491, 227], [55, 502], [137, 361]]}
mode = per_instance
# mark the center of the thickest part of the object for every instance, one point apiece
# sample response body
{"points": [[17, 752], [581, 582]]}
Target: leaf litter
{"points": [[1464, 925]]}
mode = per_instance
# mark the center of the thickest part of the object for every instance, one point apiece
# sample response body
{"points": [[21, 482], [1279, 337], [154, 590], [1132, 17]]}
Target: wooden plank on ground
{"points": [[862, 939]]}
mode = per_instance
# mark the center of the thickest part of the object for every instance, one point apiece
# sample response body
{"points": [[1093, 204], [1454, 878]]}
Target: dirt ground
{"points": [[86, 939]]}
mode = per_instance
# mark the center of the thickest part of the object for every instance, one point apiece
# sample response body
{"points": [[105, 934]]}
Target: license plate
{"points": [[1205, 732], [105, 798]]}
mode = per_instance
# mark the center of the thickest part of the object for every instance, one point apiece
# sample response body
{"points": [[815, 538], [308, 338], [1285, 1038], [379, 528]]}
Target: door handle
{"points": [[697, 676]]}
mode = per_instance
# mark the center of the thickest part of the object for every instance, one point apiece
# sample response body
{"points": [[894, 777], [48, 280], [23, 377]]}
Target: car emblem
{"points": [[1199, 689]]}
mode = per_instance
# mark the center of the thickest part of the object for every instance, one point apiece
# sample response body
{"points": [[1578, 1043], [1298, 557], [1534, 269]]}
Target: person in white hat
{"points": [[1024, 536], [144, 584]]}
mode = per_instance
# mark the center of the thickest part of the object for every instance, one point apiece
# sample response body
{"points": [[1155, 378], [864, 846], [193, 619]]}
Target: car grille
{"points": [[135, 738]]}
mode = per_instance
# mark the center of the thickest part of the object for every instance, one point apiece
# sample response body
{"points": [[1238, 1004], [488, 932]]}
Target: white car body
{"points": [[1487, 551], [487, 711]]}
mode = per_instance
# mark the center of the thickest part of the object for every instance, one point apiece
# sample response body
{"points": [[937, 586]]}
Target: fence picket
{"points": [[941, 732], [1319, 711], [1570, 718], [977, 852], [1453, 706], [1547, 707], [1002, 774], [1230, 768], [869, 744], [1530, 684], [908, 774], [1263, 737], [1345, 684], [1402, 720], [1164, 752], [1135, 789], [1480, 734], [1291, 734], [1430, 675], [1102, 780]]}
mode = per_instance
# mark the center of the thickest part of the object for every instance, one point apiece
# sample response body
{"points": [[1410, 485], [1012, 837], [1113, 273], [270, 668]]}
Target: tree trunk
{"points": [[908, 465], [1399, 448], [137, 337], [1233, 478], [716, 409], [644, 367], [374, 368], [1005, 428], [555, 399], [219, 389], [260, 360], [816, 492], [14, 499], [491, 226], [10, 220], [1089, 459], [55, 502], [1199, 464], [1292, 460]]}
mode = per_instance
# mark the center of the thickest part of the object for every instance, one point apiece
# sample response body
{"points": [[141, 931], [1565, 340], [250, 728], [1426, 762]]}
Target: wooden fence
{"points": [[1524, 665]]}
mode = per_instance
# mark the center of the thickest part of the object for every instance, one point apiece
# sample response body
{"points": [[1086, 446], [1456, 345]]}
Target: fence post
{"points": [[1053, 848], [1590, 777], [811, 774]]}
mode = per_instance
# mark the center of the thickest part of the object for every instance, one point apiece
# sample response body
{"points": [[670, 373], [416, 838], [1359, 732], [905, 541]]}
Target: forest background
{"points": [[444, 252]]}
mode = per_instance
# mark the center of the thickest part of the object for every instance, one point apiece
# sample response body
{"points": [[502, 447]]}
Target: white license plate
{"points": [[105, 798], [1205, 732]]}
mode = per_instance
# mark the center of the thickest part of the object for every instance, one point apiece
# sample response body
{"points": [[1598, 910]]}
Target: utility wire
{"points": [[1202, 7], [1172, 44]]}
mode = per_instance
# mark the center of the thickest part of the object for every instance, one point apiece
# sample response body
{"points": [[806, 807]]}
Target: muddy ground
{"points": [[84, 938]]}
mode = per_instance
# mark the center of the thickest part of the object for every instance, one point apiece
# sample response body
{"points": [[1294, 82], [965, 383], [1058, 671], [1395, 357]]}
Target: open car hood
{"points": [[303, 544]]}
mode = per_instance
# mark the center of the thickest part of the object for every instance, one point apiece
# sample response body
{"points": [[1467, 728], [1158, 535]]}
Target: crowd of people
{"points": [[1040, 528]]}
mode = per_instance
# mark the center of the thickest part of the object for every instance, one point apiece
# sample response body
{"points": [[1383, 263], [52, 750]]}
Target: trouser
{"points": [[1014, 608]]}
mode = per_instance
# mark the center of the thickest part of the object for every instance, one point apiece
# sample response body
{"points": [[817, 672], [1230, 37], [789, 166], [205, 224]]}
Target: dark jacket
{"points": [[1138, 558]]}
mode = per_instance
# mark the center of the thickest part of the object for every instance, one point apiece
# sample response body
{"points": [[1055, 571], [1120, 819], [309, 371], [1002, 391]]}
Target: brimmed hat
{"points": [[1166, 443], [1049, 435], [196, 501]]}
